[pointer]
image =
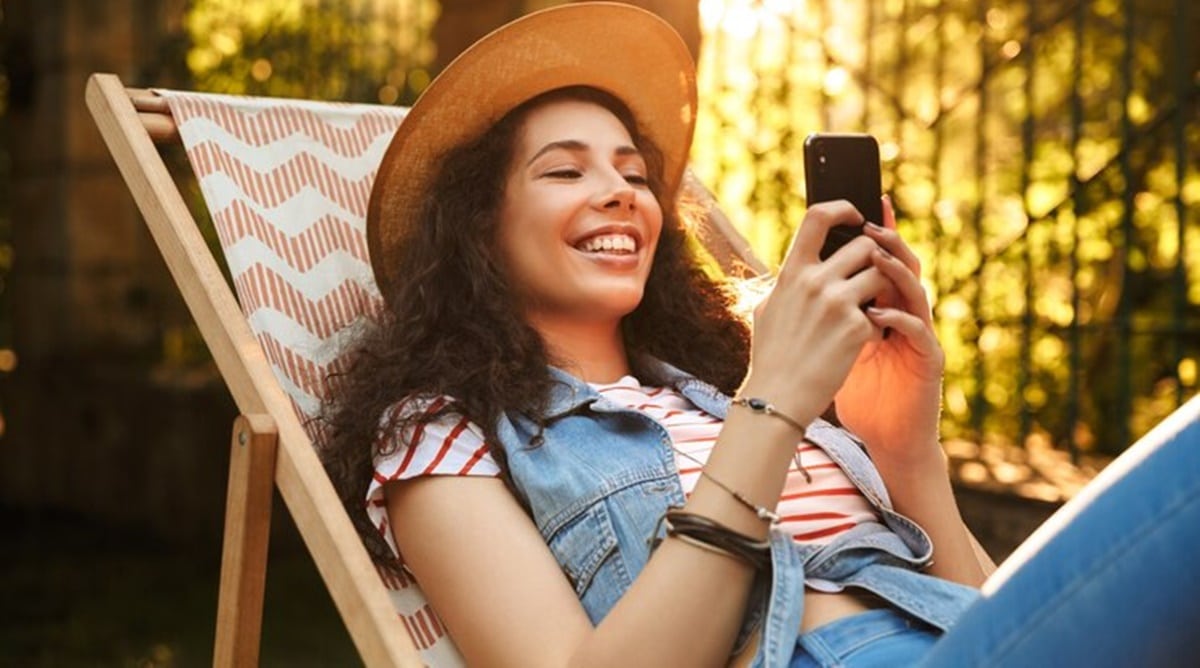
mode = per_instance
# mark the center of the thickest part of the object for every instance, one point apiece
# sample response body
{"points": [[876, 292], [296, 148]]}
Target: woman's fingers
{"points": [[889, 213], [885, 235], [872, 284], [806, 245], [908, 287], [914, 330], [850, 259], [890, 240]]}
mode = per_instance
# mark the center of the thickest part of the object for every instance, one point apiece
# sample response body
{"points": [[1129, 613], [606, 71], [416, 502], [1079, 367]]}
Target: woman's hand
{"points": [[892, 395], [810, 330]]}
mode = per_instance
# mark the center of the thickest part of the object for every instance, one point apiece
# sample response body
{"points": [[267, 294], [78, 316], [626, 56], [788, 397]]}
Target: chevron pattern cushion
{"points": [[287, 184]]}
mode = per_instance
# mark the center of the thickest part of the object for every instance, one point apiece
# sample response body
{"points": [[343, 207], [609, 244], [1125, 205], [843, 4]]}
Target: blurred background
{"points": [[1042, 157]]}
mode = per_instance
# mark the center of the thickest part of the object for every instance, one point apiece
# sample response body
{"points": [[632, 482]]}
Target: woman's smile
{"points": [[614, 244], [614, 249]]}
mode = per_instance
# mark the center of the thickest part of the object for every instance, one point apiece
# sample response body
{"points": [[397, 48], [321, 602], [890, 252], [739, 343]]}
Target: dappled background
{"points": [[1042, 157]]}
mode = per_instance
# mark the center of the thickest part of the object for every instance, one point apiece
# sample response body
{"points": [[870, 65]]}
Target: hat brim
{"points": [[623, 50]]}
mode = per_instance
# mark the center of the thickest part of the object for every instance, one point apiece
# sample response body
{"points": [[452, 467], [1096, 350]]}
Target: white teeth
{"points": [[613, 243]]}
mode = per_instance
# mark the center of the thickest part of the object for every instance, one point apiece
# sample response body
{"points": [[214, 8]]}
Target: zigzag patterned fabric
{"points": [[287, 184]]}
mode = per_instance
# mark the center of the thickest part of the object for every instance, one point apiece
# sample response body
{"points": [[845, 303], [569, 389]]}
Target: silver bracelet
{"points": [[764, 407], [761, 512]]}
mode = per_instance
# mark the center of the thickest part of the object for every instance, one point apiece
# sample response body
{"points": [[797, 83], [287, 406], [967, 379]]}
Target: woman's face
{"points": [[579, 225]]}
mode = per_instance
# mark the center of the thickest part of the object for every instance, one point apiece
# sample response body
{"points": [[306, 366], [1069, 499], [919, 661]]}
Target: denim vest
{"points": [[601, 475]]}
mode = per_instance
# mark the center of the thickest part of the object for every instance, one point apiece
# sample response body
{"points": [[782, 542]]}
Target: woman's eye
{"points": [[564, 173], [637, 179]]}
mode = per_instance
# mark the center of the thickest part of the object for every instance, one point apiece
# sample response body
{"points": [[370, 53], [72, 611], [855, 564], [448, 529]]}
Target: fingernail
{"points": [[874, 227]]}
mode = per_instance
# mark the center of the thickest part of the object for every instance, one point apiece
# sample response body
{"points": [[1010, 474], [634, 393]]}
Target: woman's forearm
{"points": [[695, 600], [920, 489]]}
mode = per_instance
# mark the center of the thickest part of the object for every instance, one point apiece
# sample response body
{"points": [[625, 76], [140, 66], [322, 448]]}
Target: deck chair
{"points": [[286, 183]]}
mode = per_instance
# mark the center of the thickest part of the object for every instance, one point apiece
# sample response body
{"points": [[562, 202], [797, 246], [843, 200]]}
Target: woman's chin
{"points": [[625, 301], [612, 304]]}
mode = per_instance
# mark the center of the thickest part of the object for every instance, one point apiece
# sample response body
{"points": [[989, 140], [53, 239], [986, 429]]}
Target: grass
{"points": [[80, 594]]}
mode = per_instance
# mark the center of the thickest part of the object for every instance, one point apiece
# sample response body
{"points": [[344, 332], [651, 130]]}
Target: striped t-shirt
{"points": [[812, 512]]}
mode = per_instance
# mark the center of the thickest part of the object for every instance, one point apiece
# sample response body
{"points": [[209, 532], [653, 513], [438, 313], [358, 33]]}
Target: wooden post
{"points": [[247, 532]]}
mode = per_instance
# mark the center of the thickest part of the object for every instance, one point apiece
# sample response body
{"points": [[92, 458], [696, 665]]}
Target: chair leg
{"points": [[247, 531]]}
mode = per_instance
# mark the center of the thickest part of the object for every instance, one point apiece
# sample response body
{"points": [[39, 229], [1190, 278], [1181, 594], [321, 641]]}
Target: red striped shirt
{"points": [[810, 512]]}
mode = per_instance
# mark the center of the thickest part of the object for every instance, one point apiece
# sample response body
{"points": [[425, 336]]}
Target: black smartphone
{"points": [[843, 166]]}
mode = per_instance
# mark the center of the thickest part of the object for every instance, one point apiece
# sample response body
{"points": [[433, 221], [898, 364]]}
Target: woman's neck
{"points": [[593, 351]]}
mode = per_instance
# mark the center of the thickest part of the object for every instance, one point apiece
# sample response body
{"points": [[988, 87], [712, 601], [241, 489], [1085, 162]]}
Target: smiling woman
{"points": [[563, 432]]}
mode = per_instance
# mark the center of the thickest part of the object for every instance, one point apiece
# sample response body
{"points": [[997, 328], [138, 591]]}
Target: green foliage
{"points": [[345, 50], [1056, 223], [1035, 167]]}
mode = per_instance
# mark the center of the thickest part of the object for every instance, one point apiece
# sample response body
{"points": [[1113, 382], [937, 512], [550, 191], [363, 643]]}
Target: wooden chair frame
{"points": [[269, 443], [269, 446]]}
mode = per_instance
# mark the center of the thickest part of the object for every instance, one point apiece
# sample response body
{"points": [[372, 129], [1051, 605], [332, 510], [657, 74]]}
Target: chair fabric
{"points": [[287, 184]]}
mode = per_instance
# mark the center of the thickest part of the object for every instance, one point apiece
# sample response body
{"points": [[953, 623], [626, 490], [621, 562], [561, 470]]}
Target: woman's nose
{"points": [[622, 199], [617, 195]]}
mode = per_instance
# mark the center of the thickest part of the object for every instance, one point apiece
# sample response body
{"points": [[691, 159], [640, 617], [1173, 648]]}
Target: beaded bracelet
{"points": [[759, 511], [764, 407]]}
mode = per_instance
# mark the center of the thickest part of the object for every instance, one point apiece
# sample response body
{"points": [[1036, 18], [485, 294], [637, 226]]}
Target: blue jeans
{"points": [[874, 639], [1108, 581]]}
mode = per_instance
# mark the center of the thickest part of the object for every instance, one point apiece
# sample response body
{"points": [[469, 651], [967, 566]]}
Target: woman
{"points": [[542, 426]]}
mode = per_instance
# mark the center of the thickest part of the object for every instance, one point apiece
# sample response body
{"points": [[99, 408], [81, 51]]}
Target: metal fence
{"points": [[1041, 156]]}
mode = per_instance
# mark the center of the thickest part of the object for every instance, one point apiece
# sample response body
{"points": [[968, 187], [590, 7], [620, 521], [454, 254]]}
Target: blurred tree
{"points": [[1052, 216], [356, 50], [349, 50], [1041, 158]]}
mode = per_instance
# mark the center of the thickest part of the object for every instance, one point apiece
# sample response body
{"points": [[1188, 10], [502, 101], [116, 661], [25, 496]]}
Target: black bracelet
{"points": [[698, 528]]}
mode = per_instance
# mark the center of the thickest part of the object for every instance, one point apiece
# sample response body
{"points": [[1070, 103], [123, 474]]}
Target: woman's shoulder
{"points": [[426, 435]]}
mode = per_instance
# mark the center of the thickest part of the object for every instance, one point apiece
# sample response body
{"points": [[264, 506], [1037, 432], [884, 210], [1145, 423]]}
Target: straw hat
{"points": [[620, 49]]}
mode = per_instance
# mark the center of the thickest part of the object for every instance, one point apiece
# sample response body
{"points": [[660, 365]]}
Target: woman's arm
{"points": [[920, 489], [487, 571], [892, 399]]}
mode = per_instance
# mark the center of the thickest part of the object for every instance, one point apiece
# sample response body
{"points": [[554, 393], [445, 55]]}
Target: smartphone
{"points": [[843, 166]]}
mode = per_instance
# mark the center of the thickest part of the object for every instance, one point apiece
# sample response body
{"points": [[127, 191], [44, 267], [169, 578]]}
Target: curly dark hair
{"points": [[453, 327]]}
